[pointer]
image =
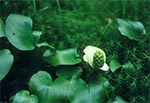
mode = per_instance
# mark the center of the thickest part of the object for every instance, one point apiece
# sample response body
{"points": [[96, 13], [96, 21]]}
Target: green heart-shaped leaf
{"points": [[132, 30], [6, 61], [93, 92], [61, 90], [19, 32], [68, 87], [64, 57], [24, 96]]}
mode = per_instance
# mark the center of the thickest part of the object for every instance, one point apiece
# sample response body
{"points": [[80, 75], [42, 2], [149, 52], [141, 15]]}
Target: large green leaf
{"points": [[63, 57], [114, 65], [6, 61], [24, 96], [2, 28], [61, 90], [68, 87], [93, 92], [132, 30], [19, 32]]}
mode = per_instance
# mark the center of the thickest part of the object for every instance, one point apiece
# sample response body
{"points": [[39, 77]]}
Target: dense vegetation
{"points": [[76, 24]]}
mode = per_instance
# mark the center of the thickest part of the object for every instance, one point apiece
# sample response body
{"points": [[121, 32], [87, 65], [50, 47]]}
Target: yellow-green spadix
{"points": [[96, 58]]}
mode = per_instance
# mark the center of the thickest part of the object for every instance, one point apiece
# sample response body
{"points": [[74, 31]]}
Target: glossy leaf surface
{"points": [[24, 96], [19, 32], [61, 90], [68, 87], [6, 61], [95, 91], [63, 57], [114, 65], [132, 30]]}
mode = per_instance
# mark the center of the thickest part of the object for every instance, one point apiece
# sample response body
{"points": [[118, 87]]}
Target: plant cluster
{"points": [[36, 67]]}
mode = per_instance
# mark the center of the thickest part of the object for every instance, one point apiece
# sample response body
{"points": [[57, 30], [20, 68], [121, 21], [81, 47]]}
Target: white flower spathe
{"points": [[89, 56]]}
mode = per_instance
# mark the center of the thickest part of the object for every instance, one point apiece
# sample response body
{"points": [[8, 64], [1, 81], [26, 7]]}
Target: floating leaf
{"points": [[61, 90], [2, 28], [132, 30], [24, 96], [19, 32], [6, 61], [63, 57], [114, 65]]}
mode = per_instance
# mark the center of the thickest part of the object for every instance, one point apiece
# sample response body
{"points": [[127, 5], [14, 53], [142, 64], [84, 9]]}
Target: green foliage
{"points": [[36, 35], [58, 91], [6, 61], [19, 32], [62, 57], [114, 65], [129, 67], [75, 24], [95, 91], [45, 44], [25, 97], [132, 30], [69, 87], [59, 57]]}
